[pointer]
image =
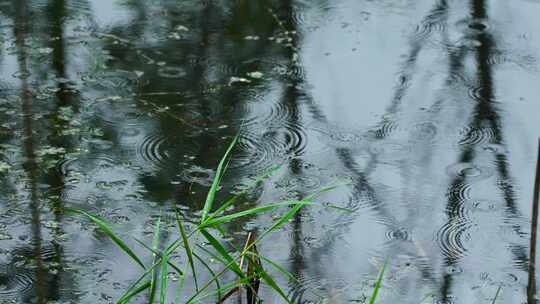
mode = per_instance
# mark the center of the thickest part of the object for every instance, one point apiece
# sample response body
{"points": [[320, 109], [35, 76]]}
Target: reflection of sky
{"points": [[110, 12], [8, 60], [352, 68]]}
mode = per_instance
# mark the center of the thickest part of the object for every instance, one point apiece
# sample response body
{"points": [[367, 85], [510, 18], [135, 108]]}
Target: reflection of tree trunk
{"points": [[57, 14], [290, 101], [297, 248], [30, 164], [531, 286], [484, 116]]}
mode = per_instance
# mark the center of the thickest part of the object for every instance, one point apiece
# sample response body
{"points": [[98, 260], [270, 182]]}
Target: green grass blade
{"points": [[153, 282], [252, 211], [378, 283], [296, 207], [135, 284], [277, 267], [284, 271], [230, 201], [214, 278], [224, 254], [215, 183], [164, 278], [180, 272], [260, 209], [270, 281], [429, 295], [213, 255], [218, 258], [108, 231], [135, 292], [212, 272], [196, 298], [497, 294], [282, 220], [187, 249], [338, 208]]}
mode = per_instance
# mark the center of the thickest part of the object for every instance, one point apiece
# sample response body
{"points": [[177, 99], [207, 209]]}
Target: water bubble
{"points": [[469, 171], [400, 234]]}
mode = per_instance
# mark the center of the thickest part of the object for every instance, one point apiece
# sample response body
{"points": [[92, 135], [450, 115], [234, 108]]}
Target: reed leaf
{"points": [[196, 298], [270, 281], [233, 199], [252, 211], [135, 292], [164, 278], [134, 285], [282, 220], [277, 267], [153, 282], [215, 183], [378, 283], [212, 272], [180, 272], [187, 248], [108, 231], [224, 254], [497, 294]]}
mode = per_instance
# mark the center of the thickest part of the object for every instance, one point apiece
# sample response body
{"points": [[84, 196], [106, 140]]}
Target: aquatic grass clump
{"points": [[246, 263]]}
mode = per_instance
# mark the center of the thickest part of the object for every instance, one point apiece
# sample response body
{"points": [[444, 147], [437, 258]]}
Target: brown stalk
{"points": [[531, 286], [253, 262]]}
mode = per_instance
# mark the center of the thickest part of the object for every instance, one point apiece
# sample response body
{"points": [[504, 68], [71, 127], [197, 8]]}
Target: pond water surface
{"points": [[427, 112]]}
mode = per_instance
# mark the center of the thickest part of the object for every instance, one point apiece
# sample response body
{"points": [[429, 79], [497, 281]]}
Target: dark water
{"points": [[428, 108]]}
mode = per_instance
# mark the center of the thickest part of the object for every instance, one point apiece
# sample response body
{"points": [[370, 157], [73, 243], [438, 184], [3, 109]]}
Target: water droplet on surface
{"points": [[171, 72]]}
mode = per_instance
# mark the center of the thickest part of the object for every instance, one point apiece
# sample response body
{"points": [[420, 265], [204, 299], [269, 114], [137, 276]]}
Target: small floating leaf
{"points": [[4, 166], [256, 75], [182, 28], [234, 80], [48, 150]]}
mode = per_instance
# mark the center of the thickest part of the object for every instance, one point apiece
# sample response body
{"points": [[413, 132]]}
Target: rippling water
{"points": [[426, 111]]}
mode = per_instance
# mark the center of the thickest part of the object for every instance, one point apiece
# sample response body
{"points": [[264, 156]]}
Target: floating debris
{"points": [[109, 98], [66, 114], [4, 236], [252, 38], [45, 51], [51, 224], [255, 75], [174, 36], [4, 166], [181, 28], [171, 72], [48, 150], [234, 80]]}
